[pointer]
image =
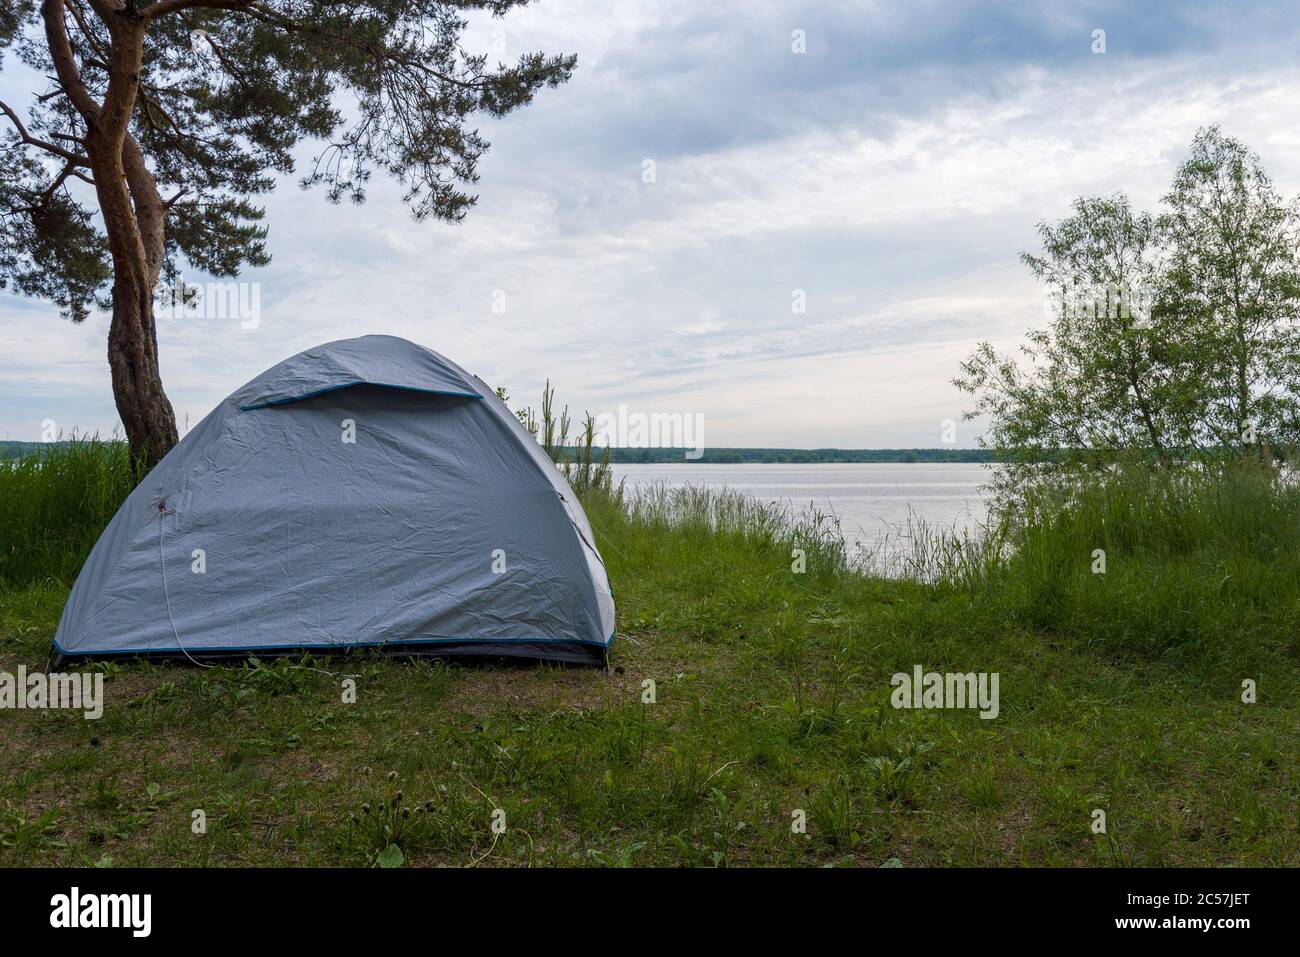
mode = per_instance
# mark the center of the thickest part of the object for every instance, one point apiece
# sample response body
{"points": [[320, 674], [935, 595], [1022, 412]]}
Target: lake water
{"points": [[872, 501]]}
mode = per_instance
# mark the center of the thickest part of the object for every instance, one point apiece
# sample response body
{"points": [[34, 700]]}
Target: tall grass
{"points": [[773, 693], [584, 469], [55, 502], [1192, 565], [777, 531], [925, 551]]}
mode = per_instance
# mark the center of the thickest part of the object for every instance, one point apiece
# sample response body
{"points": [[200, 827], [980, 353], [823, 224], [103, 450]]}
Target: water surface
{"points": [[870, 500]]}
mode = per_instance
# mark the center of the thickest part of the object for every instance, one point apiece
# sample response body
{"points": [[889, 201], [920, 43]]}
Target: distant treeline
{"points": [[13, 450], [621, 456], [624, 456]]}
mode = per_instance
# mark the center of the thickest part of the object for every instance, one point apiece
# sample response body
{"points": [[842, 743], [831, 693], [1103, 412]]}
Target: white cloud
{"points": [[897, 197]]}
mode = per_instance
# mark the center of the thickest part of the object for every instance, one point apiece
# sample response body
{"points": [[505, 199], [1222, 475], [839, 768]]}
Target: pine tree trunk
{"points": [[133, 214], [142, 404]]}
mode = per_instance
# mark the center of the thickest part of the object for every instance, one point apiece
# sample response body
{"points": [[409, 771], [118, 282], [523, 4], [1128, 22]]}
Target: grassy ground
{"points": [[1119, 691]]}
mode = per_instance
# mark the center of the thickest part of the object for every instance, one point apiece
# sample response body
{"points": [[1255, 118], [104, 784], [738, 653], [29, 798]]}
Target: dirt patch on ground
{"points": [[484, 689]]}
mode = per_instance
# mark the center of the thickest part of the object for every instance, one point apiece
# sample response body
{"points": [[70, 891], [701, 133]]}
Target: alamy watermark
{"points": [[1103, 301], [930, 689], [238, 301], [651, 430], [130, 911], [37, 691]]}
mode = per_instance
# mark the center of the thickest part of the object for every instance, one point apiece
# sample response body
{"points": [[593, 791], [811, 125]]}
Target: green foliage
{"points": [[385, 820], [50, 245], [1119, 690], [29, 834], [584, 469], [1171, 337], [1233, 282], [54, 502], [221, 96], [1192, 565]]}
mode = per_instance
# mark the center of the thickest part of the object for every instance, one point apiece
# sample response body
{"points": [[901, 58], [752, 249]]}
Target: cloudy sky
{"points": [[893, 172]]}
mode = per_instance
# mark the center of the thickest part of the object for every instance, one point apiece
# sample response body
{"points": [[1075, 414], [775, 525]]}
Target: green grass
{"points": [[1119, 691], [55, 502]]}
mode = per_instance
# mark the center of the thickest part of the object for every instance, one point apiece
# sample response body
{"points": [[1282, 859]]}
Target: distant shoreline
{"points": [[761, 456], [718, 456]]}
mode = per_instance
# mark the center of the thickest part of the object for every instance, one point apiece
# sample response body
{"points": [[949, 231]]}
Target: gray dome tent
{"points": [[365, 493]]}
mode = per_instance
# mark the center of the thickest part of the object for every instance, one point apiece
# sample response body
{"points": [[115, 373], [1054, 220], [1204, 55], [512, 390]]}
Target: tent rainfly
{"points": [[365, 493]]}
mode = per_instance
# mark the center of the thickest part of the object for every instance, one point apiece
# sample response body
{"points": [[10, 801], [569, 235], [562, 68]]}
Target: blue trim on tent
{"points": [[348, 385], [344, 647]]}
